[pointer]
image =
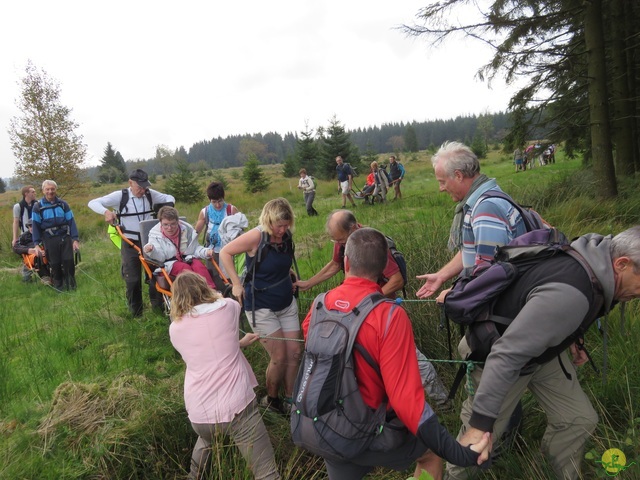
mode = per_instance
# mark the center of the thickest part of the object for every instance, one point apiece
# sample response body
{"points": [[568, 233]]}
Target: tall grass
{"points": [[87, 392]]}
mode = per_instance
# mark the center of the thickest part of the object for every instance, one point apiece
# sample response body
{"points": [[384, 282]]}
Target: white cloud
{"points": [[139, 74]]}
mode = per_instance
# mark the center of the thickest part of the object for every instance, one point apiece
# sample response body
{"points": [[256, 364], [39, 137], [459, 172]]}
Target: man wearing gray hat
{"points": [[128, 207]]}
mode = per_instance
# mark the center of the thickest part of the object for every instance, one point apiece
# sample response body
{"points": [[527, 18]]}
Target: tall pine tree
{"points": [[337, 142], [112, 168]]}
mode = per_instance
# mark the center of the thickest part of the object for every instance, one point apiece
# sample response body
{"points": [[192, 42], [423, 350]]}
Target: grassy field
{"points": [[87, 392]]}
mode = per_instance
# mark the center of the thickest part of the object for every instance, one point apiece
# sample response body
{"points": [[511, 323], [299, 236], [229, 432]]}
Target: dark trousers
{"points": [[308, 200], [59, 251], [132, 274]]}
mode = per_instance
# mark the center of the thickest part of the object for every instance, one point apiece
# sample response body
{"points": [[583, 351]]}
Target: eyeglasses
{"points": [[169, 225], [220, 201]]}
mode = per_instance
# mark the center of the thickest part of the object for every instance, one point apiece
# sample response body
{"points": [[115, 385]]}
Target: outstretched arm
{"points": [[328, 271], [433, 281]]}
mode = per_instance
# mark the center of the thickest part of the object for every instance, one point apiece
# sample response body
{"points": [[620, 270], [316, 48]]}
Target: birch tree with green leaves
{"points": [[43, 138]]}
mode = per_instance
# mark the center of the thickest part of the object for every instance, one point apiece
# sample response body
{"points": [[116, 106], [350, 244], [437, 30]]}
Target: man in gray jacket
{"points": [[548, 304]]}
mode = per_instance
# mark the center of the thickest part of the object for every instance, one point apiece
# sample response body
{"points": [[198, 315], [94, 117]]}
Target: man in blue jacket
{"points": [[54, 228]]}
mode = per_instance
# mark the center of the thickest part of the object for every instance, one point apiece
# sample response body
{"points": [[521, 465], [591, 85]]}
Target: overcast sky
{"points": [[139, 73]]}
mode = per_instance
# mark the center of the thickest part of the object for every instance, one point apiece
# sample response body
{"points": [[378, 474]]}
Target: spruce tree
{"points": [[112, 168], [308, 153], [183, 184], [410, 139], [337, 142], [253, 176], [290, 167]]}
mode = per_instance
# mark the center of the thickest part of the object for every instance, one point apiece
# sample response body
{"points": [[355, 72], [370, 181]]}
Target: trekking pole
{"points": [[444, 320], [604, 349]]}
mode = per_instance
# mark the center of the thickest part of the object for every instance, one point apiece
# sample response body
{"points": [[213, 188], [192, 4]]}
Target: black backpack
{"points": [[400, 260], [263, 249], [470, 301], [153, 209], [329, 417]]}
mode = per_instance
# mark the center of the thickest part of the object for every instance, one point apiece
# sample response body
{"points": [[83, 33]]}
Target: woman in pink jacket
{"points": [[219, 382]]}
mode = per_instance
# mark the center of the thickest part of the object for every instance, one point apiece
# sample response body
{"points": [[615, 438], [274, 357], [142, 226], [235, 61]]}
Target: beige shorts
{"points": [[267, 321], [345, 187]]}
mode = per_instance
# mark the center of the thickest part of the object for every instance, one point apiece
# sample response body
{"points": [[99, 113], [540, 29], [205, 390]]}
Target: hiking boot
{"points": [[283, 407], [46, 281], [271, 404], [286, 406]]}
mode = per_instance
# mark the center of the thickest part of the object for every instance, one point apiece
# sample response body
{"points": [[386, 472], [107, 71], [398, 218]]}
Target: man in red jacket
{"points": [[387, 336]]}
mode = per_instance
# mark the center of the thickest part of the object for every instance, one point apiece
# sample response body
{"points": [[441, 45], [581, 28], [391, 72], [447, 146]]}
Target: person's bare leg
{"points": [[430, 462], [293, 355], [277, 367]]}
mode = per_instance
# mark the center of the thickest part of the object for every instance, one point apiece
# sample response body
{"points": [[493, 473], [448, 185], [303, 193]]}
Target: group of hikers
{"points": [[524, 158], [385, 418], [378, 182]]}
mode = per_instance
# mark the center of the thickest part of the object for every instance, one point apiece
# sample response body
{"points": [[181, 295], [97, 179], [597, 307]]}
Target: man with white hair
{"points": [[55, 230]]}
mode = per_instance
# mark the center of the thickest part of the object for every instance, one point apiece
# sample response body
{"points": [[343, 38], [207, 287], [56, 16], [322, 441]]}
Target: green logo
{"points": [[614, 461]]}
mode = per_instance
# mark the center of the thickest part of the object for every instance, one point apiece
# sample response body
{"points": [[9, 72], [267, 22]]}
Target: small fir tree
{"points": [[253, 176], [183, 185], [112, 168], [290, 167]]}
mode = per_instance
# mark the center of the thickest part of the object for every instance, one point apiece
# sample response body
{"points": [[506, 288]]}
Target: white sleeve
{"points": [[102, 204]]}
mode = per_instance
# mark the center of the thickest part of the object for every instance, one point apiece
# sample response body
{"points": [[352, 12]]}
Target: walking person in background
{"points": [[345, 181], [518, 159], [308, 187], [267, 292], [381, 182], [219, 382], [55, 228], [396, 172]]}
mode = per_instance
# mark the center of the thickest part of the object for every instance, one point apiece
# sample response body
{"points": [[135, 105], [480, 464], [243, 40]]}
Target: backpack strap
{"points": [[263, 248], [528, 219], [124, 199]]}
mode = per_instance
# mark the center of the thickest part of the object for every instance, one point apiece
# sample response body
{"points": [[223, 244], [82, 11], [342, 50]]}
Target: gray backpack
{"points": [[329, 417]]}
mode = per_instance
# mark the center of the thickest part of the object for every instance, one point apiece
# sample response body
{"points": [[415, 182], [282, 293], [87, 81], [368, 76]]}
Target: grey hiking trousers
{"points": [[570, 416]]}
